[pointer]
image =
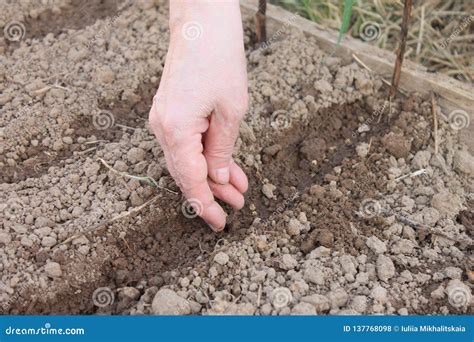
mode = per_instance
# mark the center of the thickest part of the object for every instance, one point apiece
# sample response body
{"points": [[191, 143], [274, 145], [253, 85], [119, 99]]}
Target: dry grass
{"points": [[440, 36]]}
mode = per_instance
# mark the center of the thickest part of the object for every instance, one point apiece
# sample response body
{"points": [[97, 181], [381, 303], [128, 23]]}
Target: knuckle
{"points": [[155, 117], [222, 153], [245, 103], [235, 107], [168, 125], [165, 128], [240, 108], [169, 128], [154, 120], [237, 114]]}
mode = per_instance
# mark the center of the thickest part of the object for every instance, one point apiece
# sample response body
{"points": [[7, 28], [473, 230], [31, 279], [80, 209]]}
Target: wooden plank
{"points": [[453, 94]]}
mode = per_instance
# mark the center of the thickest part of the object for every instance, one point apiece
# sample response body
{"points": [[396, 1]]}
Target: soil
{"points": [[336, 221]]}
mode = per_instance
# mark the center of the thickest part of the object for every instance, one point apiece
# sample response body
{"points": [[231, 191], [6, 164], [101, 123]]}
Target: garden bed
{"points": [[350, 209]]}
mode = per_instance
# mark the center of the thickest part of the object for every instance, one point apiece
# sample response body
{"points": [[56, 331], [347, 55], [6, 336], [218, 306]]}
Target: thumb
{"points": [[219, 144]]}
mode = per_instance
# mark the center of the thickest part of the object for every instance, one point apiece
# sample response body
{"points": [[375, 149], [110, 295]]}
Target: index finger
{"points": [[190, 172]]}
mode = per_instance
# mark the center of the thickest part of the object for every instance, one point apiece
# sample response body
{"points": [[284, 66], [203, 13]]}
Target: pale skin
{"points": [[200, 103]]}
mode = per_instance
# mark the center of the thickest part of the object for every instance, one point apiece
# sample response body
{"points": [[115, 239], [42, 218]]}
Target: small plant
{"points": [[407, 10], [346, 20], [401, 49], [261, 22], [145, 179]]}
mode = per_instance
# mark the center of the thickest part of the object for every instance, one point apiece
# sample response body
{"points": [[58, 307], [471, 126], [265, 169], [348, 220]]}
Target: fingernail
{"points": [[214, 228], [222, 175]]}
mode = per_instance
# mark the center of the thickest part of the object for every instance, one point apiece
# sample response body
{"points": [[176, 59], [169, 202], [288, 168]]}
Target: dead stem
{"points": [[358, 60], [420, 226], [401, 50], [126, 127], [87, 151], [147, 179], [261, 22], [420, 33], [259, 294], [108, 221], [411, 175], [435, 122], [370, 145], [94, 142]]}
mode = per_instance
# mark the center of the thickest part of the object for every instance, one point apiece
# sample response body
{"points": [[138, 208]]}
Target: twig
{"points": [[259, 294], [106, 222], [64, 74], [48, 87], [201, 249], [147, 179], [420, 226], [261, 21], [126, 244], [401, 50], [358, 60], [435, 122], [94, 142], [420, 35], [411, 175], [370, 145], [126, 127], [87, 151], [217, 244], [60, 87]]}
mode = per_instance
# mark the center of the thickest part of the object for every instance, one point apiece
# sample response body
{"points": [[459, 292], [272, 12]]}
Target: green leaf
{"points": [[346, 19]]}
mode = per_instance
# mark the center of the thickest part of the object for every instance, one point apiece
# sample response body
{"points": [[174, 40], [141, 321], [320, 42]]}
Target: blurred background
{"points": [[440, 37]]}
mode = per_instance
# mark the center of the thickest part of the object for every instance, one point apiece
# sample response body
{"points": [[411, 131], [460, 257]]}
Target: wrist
{"points": [[210, 13]]}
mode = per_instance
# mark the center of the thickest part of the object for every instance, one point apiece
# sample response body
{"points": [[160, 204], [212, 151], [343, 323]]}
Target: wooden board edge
{"points": [[453, 94]]}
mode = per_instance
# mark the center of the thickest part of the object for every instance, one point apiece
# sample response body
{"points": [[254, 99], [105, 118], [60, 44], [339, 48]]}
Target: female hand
{"points": [[200, 102]]}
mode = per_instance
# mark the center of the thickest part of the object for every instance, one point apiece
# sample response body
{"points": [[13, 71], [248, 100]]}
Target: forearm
{"points": [[206, 14]]}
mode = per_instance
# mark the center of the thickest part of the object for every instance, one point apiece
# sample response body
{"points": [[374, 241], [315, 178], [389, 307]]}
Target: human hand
{"points": [[200, 102]]}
